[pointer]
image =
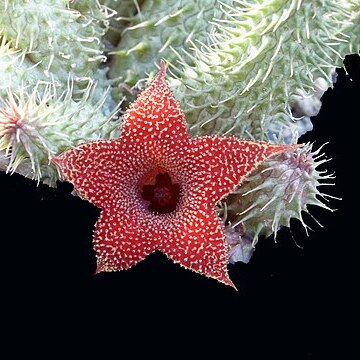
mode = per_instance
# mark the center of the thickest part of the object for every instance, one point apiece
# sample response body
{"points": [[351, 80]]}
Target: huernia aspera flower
{"points": [[158, 188]]}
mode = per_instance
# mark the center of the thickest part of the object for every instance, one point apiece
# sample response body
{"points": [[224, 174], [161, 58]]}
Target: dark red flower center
{"points": [[163, 196]]}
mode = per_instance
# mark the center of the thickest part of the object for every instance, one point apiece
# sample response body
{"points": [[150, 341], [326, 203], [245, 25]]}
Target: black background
{"points": [[296, 297]]}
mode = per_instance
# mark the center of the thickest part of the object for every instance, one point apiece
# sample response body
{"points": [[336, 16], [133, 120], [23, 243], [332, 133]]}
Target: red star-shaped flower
{"points": [[157, 187]]}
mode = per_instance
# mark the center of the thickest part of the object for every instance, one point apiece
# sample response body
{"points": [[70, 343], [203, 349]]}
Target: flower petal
{"points": [[119, 243], [102, 171], [219, 164], [199, 245], [155, 119]]}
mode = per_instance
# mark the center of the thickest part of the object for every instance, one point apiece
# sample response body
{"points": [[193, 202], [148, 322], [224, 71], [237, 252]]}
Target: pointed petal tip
{"points": [[274, 149], [162, 67], [228, 282], [99, 268], [223, 278], [160, 76], [296, 146], [290, 146], [57, 161]]}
